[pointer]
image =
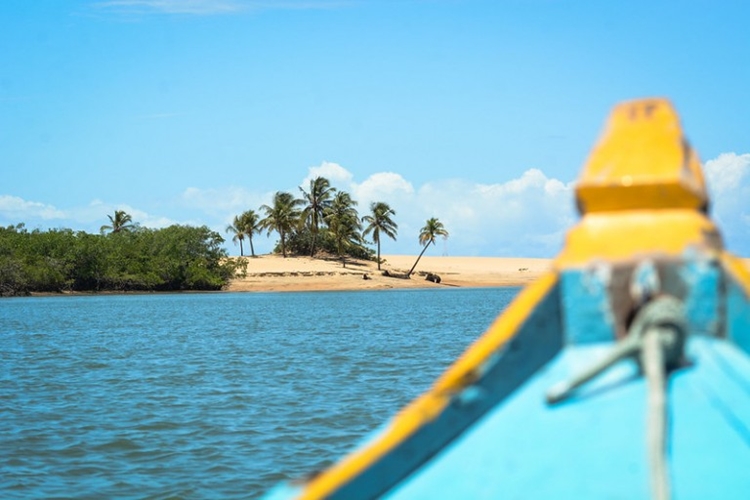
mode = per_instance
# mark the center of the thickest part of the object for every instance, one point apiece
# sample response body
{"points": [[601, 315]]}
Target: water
{"points": [[212, 395]]}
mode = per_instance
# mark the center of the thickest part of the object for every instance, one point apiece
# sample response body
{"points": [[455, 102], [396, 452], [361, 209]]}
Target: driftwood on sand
{"points": [[391, 274], [405, 276]]}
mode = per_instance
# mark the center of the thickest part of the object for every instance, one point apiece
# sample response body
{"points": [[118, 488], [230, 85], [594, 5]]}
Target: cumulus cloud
{"points": [[523, 216], [331, 171], [15, 208], [90, 217], [383, 186], [728, 179], [219, 201], [726, 172]]}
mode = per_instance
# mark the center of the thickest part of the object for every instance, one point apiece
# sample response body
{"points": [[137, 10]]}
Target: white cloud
{"points": [[219, 201], [97, 211], [524, 216], [15, 208], [381, 187], [728, 179], [91, 217], [334, 172], [726, 172]]}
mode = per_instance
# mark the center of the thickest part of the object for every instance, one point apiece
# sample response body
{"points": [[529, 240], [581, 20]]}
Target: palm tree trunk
{"points": [[378, 254], [252, 250], [312, 247], [242, 253], [283, 244], [340, 250], [417, 262]]}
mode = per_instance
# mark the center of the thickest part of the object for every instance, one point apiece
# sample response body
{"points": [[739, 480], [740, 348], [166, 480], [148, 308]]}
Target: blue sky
{"points": [[480, 113]]}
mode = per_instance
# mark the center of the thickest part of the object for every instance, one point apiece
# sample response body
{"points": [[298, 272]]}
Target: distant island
{"points": [[323, 223]]}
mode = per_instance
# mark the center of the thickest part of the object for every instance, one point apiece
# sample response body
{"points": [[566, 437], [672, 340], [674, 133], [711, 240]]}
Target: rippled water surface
{"points": [[212, 395]]}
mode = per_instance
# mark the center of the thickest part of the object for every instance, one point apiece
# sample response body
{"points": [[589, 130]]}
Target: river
{"points": [[212, 395]]}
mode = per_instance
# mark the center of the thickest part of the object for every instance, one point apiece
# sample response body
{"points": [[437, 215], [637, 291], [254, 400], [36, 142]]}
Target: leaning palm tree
{"points": [[250, 223], [317, 200], [432, 229], [343, 223], [121, 222], [237, 230], [282, 216], [379, 221]]}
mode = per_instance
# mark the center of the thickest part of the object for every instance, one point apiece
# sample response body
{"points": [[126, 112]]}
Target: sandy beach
{"points": [[273, 273]]}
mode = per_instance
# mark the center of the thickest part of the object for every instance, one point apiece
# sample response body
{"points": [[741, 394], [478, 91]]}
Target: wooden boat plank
{"points": [[594, 445]]}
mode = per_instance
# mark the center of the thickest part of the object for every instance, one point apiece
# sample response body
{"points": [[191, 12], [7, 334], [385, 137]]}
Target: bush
{"points": [[169, 259], [299, 243]]}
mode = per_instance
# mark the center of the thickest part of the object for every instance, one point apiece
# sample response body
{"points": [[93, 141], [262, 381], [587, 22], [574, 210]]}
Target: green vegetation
{"points": [[325, 221], [380, 221], [121, 221], [127, 257], [237, 232], [283, 216], [343, 224], [133, 259], [250, 223], [316, 201], [432, 229]]}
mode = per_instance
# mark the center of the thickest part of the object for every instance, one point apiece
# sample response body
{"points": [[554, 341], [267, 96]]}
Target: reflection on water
{"points": [[212, 395]]}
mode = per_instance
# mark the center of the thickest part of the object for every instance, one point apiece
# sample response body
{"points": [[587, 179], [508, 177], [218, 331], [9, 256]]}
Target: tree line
{"points": [[123, 257], [127, 257], [325, 219]]}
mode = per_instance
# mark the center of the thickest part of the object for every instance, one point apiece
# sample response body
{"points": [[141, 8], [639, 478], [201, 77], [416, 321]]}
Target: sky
{"points": [[480, 113]]}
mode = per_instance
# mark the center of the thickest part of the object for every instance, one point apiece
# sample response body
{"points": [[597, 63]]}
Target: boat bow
{"points": [[490, 428]]}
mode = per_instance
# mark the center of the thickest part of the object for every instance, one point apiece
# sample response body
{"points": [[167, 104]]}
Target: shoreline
{"points": [[272, 273]]}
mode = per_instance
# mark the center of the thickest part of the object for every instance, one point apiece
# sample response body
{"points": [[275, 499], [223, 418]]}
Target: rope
{"points": [[657, 339], [653, 363]]}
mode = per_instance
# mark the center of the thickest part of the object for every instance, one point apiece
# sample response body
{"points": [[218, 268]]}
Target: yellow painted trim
{"points": [[625, 236], [738, 269], [428, 406], [641, 161], [501, 331]]}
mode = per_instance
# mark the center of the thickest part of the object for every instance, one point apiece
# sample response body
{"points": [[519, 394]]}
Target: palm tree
{"points": [[121, 222], [380, 222], [317, 200], [343, 223], [427, 235], [250, 223], [282, 216], [237, 230]]}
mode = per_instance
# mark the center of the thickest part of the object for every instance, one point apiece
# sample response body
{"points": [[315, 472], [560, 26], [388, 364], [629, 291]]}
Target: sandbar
{"points": [[274, 273]]}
